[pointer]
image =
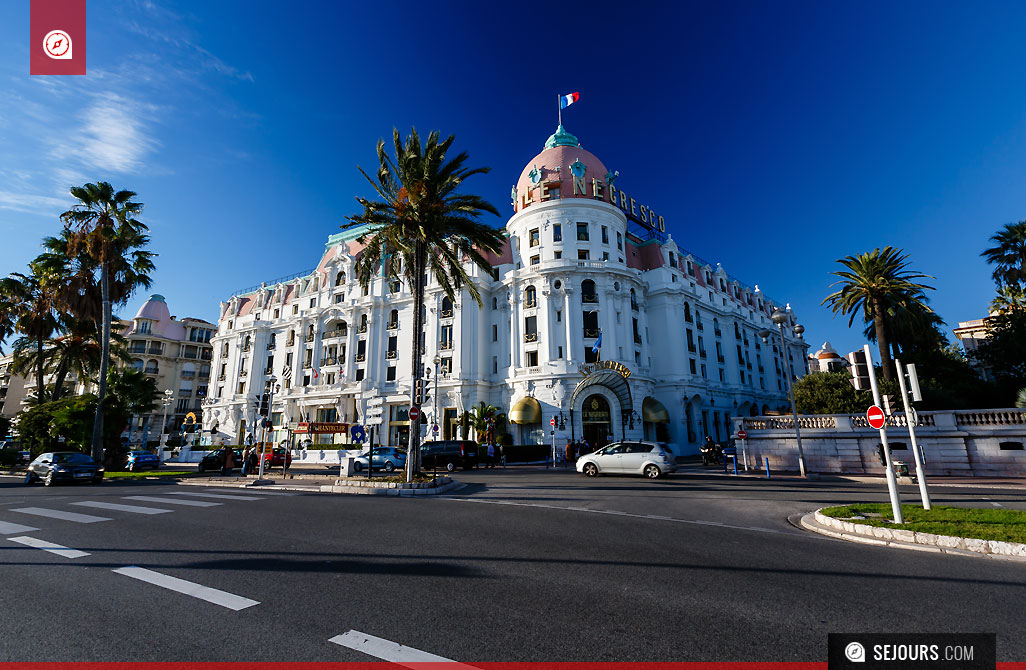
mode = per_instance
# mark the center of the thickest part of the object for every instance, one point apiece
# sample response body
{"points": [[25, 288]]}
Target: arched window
{"points": [[530, 297], [687, 312], [247, 343], [340, 279], [292, 338], [393, 319], [446, 307], [137, 364], [310, 333], [344, 327], [270, 344], [151, 367], [634, 301], [588, 291], [363, 324]]}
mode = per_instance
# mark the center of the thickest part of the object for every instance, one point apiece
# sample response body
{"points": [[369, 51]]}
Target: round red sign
{"points": [[876, 417], [741, 434], [552, 422], [414, 413]]}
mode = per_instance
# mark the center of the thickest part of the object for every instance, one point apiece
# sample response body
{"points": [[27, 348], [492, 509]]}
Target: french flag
{"points": [[569, 99]]}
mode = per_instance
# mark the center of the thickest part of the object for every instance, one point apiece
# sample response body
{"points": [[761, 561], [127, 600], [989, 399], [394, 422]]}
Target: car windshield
{"points": [[71, 458]]}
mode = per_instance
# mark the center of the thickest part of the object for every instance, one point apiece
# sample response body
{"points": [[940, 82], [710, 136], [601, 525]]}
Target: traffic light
{"points": [[859, 371], [418, 392], [265, 399], [890, 404]]}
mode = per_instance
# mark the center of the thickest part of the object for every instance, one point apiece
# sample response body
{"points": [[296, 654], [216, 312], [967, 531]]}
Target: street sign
{"points": [[552, 422], [434, 428], [358, 433], [414, 413], [876, 417], [374, 420], [741, 435], [376, 401], [913, 417]]}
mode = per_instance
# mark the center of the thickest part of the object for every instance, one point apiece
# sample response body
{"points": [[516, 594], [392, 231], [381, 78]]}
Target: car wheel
{"points": [[450, 466], [389, 467], [201, 468], [357, 466], [48, 481], [590, 469], [652, 471]]}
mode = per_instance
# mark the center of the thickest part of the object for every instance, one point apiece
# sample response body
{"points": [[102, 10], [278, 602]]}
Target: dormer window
{"points": [[144, 327]]}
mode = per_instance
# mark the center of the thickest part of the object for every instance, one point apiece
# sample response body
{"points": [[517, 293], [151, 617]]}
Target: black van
{"points": [[448, 454]]}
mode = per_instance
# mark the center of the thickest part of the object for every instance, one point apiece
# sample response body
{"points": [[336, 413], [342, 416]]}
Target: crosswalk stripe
{"points": [[211, 495], [8, 528], [251, 490], [215, 596], [387, 650], [136, 509], [170, 501], [58, 549], [61, 514]]}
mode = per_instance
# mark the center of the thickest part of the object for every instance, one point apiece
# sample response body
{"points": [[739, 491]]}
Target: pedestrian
{"points": [[245, 461], [229, 461], [569, 450], [585, 448], [491, 454]]}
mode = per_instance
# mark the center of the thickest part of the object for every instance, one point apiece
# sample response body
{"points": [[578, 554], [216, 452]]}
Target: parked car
{"points": [[448, 454], [651, 459], [215, 460], [139, 460], [64, 466], [24, 457], [276, 457], [385, 458]]}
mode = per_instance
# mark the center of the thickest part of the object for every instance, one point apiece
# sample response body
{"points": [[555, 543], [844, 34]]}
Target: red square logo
{"points": [[57, 37]]}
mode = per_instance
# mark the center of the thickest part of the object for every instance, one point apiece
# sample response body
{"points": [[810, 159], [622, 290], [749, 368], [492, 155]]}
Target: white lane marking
{"points": [[122, 508], [211, 495], [387, 650], [7, 528], [61, 514], [252, 489], [995, 504], [222, 598], [716, 524], [49, 546], [171, 501]]}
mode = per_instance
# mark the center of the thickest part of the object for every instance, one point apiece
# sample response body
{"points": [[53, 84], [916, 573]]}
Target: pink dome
{"points": [[155, 308], [562, 151]]}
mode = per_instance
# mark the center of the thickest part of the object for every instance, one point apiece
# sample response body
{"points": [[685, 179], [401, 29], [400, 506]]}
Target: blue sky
{"points": [[774, 137]]}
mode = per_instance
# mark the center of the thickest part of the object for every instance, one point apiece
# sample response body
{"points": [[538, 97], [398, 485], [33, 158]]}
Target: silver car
{"points": [[651, 459], [385, 458]]}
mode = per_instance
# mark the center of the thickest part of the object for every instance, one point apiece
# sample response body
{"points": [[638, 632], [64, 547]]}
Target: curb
{"points": [[916, 541], [333, 488]]}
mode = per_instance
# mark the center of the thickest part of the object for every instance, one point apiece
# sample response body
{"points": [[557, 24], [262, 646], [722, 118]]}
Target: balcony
{"points": [[445, 314], [392, 354], [243, 373], [270, 346], [268, 372], [310, 337], [137, 349], [157, 350], [330, 334], [589, 298], [445, 345], [152, 371], [188, 374], [360, 358], [392, 325], [591, 333], [247, 347], [530, 337], [328, 360], [362, 328]]}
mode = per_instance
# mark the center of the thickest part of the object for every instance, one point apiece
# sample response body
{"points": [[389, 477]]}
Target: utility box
{"points": [[347, 465]]}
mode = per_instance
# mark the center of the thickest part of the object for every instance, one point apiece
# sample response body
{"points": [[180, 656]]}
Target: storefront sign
{"points": [[591, 368], [322, 428]]}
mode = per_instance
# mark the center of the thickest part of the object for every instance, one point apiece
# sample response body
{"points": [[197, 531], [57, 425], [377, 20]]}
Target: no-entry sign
{"points": [[414, 413], [741, 434], [552, 422], [876, 417]]}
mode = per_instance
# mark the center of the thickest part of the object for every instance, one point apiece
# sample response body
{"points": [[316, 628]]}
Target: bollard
{"points": [[735, 466], [767, 468]]}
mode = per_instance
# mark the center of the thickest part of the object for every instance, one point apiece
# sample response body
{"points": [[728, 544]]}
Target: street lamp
{"points": [[780, 317], [434, 415], [166, 402]]}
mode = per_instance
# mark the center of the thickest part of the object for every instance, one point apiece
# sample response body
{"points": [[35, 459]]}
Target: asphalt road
{"points": [[521, 565]]}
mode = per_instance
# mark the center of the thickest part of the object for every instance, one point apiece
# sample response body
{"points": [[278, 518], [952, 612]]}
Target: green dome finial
{"points": [[561, 138]]}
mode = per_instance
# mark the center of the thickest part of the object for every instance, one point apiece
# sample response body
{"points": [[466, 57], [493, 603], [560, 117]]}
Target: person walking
{"points": [[491, 454], [245, 461], [569, 450], [229, 461]]}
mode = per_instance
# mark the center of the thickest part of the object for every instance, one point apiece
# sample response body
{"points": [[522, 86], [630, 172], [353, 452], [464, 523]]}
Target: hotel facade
{"points": [[593, 317]]}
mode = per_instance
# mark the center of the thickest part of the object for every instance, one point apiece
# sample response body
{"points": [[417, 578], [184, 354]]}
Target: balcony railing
{"points": [[247, 347], [151, 371], [329, 334], [270, 346], [446, 314], [290, 342], [157, 350], [589, 297], [530, 303], [328, 360], [221, 377], [188, 374], [392, 354], [243, 373], [591, 332], [360, 358], [190, 354], [445, 345], [268, 371], [392, 325], [362, 328], [310, 337], [137, 349], [307, 365], [530, 337], [185, 393]]}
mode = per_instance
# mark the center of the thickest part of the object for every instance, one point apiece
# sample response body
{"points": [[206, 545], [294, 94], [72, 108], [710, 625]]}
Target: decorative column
{"points": [[514, 310], [568, 318]]}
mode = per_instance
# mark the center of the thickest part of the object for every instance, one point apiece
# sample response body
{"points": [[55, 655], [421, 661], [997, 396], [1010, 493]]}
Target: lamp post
{"points": [[780, 317], [166, 402], [434, 415]]}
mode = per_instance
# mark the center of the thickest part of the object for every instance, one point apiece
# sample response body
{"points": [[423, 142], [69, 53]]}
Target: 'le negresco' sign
{"points": [[600, 190]]}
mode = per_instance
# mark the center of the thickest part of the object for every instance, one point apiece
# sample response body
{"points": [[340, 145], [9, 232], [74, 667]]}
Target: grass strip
{"points": [[1004, 525], [142, 475]]}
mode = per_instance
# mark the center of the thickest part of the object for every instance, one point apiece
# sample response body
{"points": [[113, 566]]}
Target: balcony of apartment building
{"points": [[530, 337], [137, 348], [392, 325], [156, 348], [333, 333], [329, 360]]}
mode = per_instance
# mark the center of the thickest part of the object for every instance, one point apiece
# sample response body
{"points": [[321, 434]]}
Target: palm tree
{"points": [[910, 326], [27, 307], [1009, 254], [1009, 298], [484, 418], [421, 224], [872, 283], [103, 228]]}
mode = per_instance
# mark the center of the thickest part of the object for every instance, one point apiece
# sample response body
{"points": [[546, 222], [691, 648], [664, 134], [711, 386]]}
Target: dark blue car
{"points": [[139, 460], [64, 466]]}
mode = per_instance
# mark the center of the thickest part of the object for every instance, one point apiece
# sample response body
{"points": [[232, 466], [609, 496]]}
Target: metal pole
{"points": [[163, 427], [790, 394], [435, 417], [920, 470], [892, 481]]}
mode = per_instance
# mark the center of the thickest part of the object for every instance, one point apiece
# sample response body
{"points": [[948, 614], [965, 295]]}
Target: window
{"points": [[242, 388], [390, 374], [605, 255], [582, 232], [588, 293], [535, 260], [691, 269], [583, 255], [673, 260], [447, 365], [637, 333], [531, 329], [535, 237], [495, 365], [559, 352], [703, 371], [557, 233], [295, 309], [495, 303], [558, 255], [559, 316], [446, 307], [144, 327], [392, 351], [530, 297], [605, 235], [694, 369], [495, 333], [394, 286], [619, 242], [313, 302], [359, 374], [532, 359], [446, 338], [393, 319], [340, 279]]}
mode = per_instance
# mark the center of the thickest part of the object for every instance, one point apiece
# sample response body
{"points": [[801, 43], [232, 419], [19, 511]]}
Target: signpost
{"points": [[877, 420], [742, 435], [911, 418]]}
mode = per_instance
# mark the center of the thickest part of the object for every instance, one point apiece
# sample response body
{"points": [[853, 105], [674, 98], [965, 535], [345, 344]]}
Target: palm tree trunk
{"points": [[97, 444], [58, 381], [413, 453], [40, 390], [881, 340]]}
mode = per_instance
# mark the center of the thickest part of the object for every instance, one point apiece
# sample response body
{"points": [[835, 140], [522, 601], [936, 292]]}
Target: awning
{"points": [[526, 411], [652, 411]]}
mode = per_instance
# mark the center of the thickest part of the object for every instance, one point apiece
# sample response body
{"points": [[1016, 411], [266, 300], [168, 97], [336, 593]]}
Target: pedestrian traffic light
{"points": [[859, 371]]}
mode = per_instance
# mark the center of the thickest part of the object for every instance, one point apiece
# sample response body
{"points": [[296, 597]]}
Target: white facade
{"points": [[679, 351]]}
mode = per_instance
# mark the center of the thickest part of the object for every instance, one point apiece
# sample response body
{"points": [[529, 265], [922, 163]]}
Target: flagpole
{"points": [[559, 107]]}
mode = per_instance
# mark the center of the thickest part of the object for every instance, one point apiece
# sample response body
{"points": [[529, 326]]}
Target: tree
{"points": [[829, 393], [872, 283], [421, 224], [1004, 352], [27, 307], [5, 427], [1020, 398], [1008, 297], [1008, 255], [483, 417], [103, 227]]}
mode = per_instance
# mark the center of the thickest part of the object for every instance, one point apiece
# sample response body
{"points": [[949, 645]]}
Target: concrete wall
{"points": [[954, 442]]}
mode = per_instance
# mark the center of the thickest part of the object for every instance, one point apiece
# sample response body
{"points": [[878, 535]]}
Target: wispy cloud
{"points": [[113, 136], [30, 203]]}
